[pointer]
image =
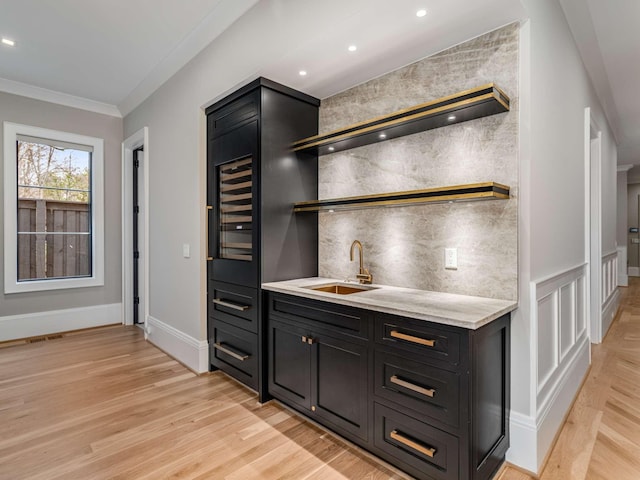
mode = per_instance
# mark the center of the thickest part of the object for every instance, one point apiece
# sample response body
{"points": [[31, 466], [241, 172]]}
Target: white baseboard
{"points": [[193, 353], [609, 310], [44, 323], [634, 271], [524, 437]]}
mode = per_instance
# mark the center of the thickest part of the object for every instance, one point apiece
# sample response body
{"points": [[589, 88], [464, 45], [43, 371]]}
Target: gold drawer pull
{"points": [[429, 392], [411, 338], [242, 357], [235, 306], [209, 208], [429, 452]]}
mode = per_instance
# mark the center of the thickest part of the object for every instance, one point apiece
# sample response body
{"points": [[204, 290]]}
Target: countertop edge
{"points": [[368, 303]]}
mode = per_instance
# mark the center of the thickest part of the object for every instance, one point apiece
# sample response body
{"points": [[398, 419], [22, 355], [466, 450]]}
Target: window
{"points": [[53, 209]]}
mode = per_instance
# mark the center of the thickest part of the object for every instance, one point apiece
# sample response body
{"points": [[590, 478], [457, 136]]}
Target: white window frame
{"points": [[11, 283]]}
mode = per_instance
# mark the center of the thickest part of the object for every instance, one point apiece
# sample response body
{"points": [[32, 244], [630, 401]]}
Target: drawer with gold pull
{"points": [[420, 448], [430, 391], [439, 343], [234, 304]]}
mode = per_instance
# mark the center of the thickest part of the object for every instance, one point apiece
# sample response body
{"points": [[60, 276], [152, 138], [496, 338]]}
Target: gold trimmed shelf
{"points": [[456, 193], [463, 106]]}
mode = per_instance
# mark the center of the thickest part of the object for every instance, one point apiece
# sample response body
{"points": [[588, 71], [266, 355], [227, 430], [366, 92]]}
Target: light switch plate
{"points": [[186, 250], [451, 258]]}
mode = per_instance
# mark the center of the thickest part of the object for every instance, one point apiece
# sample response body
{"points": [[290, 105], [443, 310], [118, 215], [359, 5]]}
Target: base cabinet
{"points": [[324, 376], [430, 399]]}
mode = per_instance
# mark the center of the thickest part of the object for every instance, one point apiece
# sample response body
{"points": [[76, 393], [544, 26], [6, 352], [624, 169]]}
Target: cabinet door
{"points": [[339, 384], [289, 364]]}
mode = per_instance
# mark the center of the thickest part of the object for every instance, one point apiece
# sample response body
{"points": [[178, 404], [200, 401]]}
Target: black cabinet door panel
{"points": [[289, 364], [339, 389]]}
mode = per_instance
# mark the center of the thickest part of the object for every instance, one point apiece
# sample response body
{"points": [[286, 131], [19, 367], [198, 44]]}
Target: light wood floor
{"points": [[601, 437], [105, 404]]}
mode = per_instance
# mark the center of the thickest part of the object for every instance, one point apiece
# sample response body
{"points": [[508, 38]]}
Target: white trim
{"points": [[44, 323], [560, 306], [523, 437], [634, 271], [137, 140], [51, 96], [624, 168], [11, 284], [609, 310], [184, 348], [623, 277], [556, 406]]}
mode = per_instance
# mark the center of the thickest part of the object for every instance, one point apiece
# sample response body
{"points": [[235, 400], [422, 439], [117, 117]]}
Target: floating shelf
{"points": [[456, 193], [461, 107]]}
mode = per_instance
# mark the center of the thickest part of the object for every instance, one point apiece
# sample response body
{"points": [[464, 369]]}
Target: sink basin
{"points": [[341, 288]]}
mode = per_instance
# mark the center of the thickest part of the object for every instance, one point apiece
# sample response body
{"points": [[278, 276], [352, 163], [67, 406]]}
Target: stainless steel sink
{"points": [[341, 288]]}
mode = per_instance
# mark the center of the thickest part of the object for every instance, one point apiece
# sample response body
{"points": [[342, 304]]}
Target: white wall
{"points": [[20, 312], [550, 350]]}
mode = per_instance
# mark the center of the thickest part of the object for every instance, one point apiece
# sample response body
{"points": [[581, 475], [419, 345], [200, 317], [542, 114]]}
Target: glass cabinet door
{"points": [[235, 209]]}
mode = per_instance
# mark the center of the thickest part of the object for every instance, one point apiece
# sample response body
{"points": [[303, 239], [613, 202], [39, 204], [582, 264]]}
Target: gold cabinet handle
{"points": [[235, 306], [238, 356], [412, 339], [311, 340], [428, 392], [209, 208], [428, 451]]}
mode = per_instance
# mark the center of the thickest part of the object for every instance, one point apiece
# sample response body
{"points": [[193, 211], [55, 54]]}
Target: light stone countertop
{"points": [[445, 308]]}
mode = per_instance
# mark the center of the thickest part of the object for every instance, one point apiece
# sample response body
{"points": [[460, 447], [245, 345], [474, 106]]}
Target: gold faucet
{"points": [[363, 274]]}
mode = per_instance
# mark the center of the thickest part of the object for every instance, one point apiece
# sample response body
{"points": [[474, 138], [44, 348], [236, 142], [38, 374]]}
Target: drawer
{"points": [[234, 351], [234, 304], [420, 449], [324, 315], [428, 390], [419, 337]]}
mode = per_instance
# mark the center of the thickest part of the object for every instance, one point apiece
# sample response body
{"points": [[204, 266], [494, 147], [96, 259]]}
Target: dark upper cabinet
{"points": [[253, 178]]}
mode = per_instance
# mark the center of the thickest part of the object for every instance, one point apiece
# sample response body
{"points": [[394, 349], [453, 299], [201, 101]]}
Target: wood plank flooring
{"points": [[601, 438], [105, 404]]}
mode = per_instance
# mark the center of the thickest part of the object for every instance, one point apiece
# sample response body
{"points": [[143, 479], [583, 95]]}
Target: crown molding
{"points": [[51, 96]]}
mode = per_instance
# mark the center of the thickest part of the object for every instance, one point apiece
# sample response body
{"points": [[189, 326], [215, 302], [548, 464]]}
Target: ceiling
{"points": [[110, 56]]}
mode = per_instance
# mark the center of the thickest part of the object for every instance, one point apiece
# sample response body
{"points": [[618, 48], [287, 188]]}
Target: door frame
{"points": [[593, 223], [135, 141]]}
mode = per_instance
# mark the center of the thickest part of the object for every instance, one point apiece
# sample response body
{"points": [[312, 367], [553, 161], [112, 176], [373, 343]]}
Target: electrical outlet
{"points": [[451, 258]]}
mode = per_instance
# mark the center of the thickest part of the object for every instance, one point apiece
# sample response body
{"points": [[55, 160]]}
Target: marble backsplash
{"points": [[404, 246]]}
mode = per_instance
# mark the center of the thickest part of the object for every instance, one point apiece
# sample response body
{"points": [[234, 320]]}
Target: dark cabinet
{"points": [[430, 399], [253, 177], [323, 375]]}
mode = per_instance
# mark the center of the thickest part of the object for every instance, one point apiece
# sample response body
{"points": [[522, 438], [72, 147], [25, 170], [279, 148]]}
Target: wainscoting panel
{"points": [[610, 293], [563, 348]]}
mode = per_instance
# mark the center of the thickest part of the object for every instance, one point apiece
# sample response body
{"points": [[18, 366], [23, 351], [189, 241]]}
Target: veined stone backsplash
{"points": [[404, 246]]}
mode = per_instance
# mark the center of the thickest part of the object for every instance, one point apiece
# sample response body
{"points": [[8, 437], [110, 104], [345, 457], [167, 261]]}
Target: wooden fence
{"points": [[53, 254]]}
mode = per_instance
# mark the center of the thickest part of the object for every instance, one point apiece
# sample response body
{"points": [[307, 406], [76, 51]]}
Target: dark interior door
{"points": [[137, 154]]}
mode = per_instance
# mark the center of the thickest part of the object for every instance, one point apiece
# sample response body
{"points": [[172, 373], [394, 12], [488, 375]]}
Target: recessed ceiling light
{"points": [[352, 48], [302, 73], [331, 149], [382, 136], [421, 13], [9, 42], [451, 118]]}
